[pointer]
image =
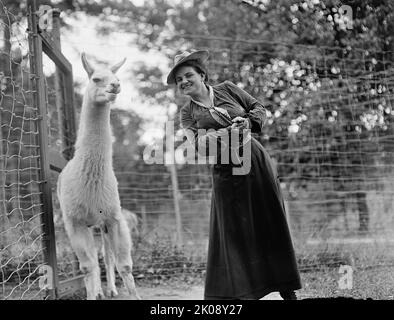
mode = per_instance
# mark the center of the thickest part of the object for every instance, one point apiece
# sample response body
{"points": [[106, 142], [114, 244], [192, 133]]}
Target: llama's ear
{"points": [[86, 65], [117, 66]]}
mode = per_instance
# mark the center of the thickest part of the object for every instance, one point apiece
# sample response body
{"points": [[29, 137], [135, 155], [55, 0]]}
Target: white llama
{"points": [[88, 190]]}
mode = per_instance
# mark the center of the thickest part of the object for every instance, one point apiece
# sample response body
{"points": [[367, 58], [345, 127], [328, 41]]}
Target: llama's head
{"points": [[103, 84]]}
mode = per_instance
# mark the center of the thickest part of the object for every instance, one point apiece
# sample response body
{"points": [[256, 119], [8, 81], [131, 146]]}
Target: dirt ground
{"points": [[374, 283], [194, 292], [168, 293]]}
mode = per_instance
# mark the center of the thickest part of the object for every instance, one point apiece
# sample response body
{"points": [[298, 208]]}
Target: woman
{"points": [[250, 250]]}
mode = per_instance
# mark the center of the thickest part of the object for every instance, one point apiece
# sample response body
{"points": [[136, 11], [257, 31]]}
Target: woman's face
{"points": [[189, 81]]}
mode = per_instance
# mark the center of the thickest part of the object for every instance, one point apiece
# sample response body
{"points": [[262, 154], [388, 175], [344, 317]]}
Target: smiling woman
{"points": [[190, 80], [250, 251]]}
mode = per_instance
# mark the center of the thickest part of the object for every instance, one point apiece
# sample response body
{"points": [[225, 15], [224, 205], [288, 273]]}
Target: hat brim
{"points": [[201, 55]]}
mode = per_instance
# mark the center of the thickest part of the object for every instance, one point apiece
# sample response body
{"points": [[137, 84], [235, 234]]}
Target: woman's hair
{"points": [[197, 66]]}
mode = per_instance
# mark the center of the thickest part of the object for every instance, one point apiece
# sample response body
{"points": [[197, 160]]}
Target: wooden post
{"points": [[37, 78], [65, 107], [60, 106], [171, 165], [59, 83], [144, 227], [175, 192]]}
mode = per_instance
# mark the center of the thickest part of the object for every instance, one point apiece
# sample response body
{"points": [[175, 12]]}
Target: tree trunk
{"points": [[5, 73], [363, 214]]}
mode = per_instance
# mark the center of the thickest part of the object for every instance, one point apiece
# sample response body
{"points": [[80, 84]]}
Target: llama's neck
{"points": [[94, 133]]}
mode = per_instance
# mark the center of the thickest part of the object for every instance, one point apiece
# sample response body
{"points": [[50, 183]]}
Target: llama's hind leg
{"points": [[120, 238], [109, 260], [82, 242]]}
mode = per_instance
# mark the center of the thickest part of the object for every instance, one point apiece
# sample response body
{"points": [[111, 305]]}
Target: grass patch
{"points": [[372, 283]]}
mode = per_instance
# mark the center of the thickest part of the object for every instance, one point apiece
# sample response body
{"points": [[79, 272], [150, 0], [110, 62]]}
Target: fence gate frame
{"points": [[42, 41]]}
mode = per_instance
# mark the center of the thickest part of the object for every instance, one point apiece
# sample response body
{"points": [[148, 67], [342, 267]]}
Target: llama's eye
{"points": [[96, 80]]}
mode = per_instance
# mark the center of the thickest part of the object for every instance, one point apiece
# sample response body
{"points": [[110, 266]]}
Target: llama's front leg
{"points": [[109, 260], [82, 242], [120, 238]]}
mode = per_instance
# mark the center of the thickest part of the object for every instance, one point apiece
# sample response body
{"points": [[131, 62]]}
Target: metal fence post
{"points": [[66, 118], [64, 98], [35, 47]]}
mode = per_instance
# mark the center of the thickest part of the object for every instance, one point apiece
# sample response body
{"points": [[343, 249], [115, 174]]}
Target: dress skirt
{"points": [[250, 252]]}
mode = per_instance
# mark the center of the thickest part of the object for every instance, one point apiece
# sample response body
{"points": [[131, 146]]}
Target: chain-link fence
{"points": [[329, 130], [21, 233], [36, 136]]}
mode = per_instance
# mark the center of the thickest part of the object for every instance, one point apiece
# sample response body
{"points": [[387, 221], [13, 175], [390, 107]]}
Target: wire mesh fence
{"points": [[21, 250], [330, 133], [148, 193], [32, 136]]}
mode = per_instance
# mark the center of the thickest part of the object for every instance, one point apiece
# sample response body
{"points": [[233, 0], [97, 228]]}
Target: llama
{"points": [[88, 190]]}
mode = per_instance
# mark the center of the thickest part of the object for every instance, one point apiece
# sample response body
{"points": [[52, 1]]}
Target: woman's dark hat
{"points": [[200, 55]]}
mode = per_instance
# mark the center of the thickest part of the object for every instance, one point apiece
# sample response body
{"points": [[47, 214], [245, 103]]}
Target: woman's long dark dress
{"points": [[250, 250]]}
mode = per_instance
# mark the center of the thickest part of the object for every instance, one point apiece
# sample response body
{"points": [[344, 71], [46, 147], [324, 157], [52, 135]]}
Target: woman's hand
{"points": [[240, 123]]}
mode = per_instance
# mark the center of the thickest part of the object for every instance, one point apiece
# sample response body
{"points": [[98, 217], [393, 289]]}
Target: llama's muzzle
{"points": [[114, 88]]}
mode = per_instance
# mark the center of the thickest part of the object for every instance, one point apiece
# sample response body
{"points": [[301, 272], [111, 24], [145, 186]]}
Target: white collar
{"points": [[211, 96]]}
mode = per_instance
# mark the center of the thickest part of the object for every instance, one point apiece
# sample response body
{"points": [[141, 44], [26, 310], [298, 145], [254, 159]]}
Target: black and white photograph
{"points": [[215, 151]]}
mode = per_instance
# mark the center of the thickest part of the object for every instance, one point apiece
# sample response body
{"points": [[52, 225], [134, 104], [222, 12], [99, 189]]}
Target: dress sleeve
{"points": [[255, 111], [186, 119], [188, 124]]}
